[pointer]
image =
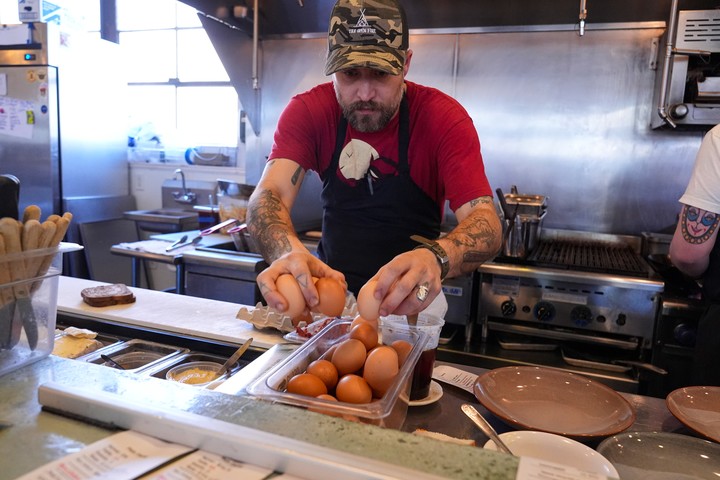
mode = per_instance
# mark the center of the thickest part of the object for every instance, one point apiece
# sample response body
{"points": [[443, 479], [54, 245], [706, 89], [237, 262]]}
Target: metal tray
{"points": [[139, 355], [525, 344], [579, 362]]}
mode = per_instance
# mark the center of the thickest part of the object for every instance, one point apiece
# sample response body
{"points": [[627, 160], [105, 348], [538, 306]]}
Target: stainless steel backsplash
{"points": [[557, 114]]}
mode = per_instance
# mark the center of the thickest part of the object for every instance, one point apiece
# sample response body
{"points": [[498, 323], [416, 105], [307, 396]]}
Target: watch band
{"points": [[440, 253]]}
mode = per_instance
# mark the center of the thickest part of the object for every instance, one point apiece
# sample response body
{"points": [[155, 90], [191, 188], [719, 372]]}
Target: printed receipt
{"points": [[529, 468], [131, 454]]}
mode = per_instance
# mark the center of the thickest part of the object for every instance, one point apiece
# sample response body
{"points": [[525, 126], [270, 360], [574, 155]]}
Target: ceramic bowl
{"points": [[557, 449], [553, 401], [662, 456]]}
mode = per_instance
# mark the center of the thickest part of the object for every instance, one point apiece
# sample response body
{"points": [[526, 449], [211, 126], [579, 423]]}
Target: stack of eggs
{"points": [[355, 370]]}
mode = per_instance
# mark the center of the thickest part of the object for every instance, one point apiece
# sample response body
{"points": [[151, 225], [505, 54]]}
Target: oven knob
{"points": [[679, 111], [508, 308], [544, 311], [581, 315], [621, 319]]}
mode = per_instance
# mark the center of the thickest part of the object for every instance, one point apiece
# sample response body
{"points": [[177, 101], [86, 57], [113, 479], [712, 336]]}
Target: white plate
{"points": [[436, 392], [661, 456], [553, 401], [698, 408], [557, 449]]}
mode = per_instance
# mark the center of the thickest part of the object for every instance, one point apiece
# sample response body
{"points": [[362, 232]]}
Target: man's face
{"points": [[369, 98]]}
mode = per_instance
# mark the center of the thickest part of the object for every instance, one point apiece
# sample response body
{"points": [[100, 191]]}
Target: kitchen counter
{"points": [[37, 436], [181, 314]]}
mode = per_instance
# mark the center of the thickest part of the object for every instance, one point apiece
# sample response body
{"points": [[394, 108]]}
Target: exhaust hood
{"points": [[231, 27]]}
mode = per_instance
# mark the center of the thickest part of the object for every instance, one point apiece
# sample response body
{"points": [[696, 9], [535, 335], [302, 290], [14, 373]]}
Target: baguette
{"points": [[107, 295]]}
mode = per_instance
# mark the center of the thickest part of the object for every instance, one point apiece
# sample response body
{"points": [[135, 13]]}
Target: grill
{"points": [[612, 258]]}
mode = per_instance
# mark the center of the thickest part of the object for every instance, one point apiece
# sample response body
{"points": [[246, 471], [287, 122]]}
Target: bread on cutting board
{"points": [[107, 295]]}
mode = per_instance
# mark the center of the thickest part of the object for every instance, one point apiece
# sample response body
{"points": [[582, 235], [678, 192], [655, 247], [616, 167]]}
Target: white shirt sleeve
{"points": [[703, 190]]}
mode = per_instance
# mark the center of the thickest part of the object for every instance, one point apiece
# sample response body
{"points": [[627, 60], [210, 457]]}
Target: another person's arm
{"points": [[693, 240]]}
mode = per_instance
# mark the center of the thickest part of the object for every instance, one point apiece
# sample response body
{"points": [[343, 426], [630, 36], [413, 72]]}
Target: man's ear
{"points": [[406, 67]]}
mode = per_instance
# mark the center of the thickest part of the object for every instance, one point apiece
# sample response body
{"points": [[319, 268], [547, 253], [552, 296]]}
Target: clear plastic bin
{"points": [[389, 411], [28, 304]]}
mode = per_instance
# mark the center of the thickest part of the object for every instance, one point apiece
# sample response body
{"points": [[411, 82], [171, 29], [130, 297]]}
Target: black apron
{"points": [[366, 226], [706, 364]]}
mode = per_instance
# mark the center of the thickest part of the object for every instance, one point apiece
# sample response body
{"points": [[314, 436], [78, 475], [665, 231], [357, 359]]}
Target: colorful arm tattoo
{"points": [[697, 225]]}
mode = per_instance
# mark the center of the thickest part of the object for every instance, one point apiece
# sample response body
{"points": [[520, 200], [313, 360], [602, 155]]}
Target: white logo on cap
{"points": [[362, 25], [362, 21]]}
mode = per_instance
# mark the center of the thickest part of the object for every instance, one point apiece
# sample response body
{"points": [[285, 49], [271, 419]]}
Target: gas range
{"points": [[578, 286]]}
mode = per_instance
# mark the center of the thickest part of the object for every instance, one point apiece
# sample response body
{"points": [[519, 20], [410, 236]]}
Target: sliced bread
{"points": [[106, 295]]}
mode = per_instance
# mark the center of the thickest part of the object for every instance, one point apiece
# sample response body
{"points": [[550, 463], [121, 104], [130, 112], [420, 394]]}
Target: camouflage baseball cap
{"points": [[367, 33]]}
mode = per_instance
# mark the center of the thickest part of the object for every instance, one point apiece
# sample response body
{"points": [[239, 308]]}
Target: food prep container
{"points": [[162, 370], [389, 411], [134, 355], [28, 304], [198, 374]]}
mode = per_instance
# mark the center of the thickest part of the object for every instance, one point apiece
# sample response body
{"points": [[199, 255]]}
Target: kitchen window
{"points": [[179, 92]]}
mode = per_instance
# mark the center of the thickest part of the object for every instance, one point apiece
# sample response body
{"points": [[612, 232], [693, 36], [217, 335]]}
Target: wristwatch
{"points": [[440, 253]]}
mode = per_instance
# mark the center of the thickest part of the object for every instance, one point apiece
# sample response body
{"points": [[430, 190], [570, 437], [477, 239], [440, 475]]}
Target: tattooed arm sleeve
{"points": [[268, 214], [693, 240], [477, 237]]}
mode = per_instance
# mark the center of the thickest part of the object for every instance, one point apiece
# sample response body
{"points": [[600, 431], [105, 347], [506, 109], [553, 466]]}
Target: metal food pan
{"points": [[106, 340], [160, 370], [137, 355]]}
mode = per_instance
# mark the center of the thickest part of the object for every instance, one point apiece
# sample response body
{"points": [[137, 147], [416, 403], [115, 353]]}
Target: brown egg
{"points": [[349, 356], [403, 349], [320, 409], [353, 389], [368, 305], [366, 334], [328, 353], [290, 289], [360, 319], [306, 384], [325, 371], [381, 368], [331, 295], [327, 396]]}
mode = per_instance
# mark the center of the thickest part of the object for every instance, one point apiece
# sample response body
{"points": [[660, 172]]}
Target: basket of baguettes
{"points": [[30, 262]]}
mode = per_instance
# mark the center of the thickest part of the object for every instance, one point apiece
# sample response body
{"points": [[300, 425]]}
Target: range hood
{"points": [[280, 17], [231, 27]]}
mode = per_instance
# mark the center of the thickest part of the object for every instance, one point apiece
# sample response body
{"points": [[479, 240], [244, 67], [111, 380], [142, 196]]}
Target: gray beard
{"points": [[366, 123]]}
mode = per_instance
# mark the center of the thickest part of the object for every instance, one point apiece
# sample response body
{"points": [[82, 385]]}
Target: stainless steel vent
{"points": [[699, 30]]}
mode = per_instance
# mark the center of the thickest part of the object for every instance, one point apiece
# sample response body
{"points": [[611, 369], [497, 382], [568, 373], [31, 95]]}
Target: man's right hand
{"points": [[303, 266]]}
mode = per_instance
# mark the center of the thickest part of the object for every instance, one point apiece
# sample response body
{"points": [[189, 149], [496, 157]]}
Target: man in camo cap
{"points": [[369, 34], [390, 153]]}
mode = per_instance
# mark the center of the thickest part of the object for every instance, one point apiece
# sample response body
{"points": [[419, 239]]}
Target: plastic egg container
{"points": [[389, 411]]}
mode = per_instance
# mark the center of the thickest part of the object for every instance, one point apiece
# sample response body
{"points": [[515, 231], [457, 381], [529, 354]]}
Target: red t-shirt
{"points": [[444, 151]]}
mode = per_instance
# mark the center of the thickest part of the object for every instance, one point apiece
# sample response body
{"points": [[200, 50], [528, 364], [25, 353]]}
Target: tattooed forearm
{"points": [[477, 238], [698, 225], [269, 224]]}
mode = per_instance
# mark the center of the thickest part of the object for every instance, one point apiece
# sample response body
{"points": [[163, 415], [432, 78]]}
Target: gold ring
{"points": [[422, 292]]}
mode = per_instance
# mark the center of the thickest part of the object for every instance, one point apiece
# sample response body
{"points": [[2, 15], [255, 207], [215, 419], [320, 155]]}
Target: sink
{"points": [[164, 220]]}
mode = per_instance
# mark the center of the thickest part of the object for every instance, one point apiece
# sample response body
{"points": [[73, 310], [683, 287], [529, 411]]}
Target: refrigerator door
{"points": [[29, 147]]}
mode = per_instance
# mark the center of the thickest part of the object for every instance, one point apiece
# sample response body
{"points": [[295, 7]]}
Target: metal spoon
{"points": [[111, 361], [234, 358], [485, 426]]}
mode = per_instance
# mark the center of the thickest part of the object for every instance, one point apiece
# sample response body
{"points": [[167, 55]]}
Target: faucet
{"points": [[186, 196]]}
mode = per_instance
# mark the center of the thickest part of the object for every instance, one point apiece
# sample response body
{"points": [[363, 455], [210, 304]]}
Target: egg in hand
{"points": [[290, 289]]}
